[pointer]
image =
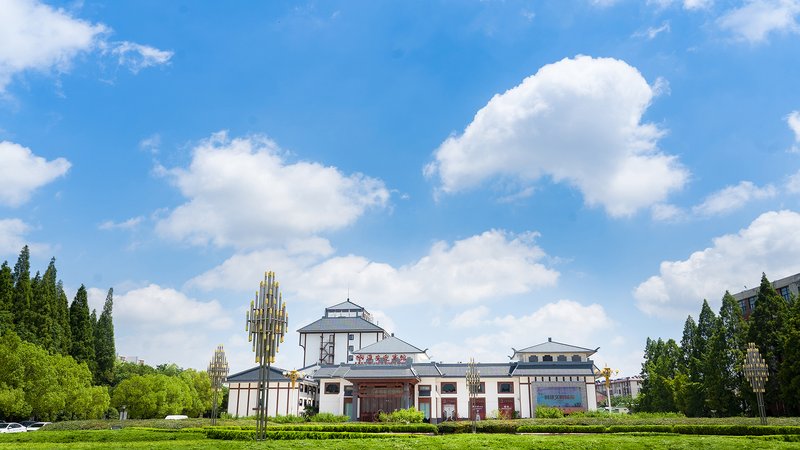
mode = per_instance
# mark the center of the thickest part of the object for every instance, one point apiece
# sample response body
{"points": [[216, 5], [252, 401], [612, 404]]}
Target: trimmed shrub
{"points": [[410, 415], [546, 412], [328, 417], [241, 435]]}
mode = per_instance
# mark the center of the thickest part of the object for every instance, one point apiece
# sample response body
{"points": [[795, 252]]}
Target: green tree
{"points": [[660, 367], [62, 320], [200, 392], [768, 330], [104, 348], [6, 298], [687, 386], [124, 370], [41, 307], [725, 382], [22, 296], [81, 327], [789, 374], [152, 396]]}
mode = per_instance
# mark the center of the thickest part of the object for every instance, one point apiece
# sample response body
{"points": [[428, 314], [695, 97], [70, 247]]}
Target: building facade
{"points": [[356, 369], [786, 288]]}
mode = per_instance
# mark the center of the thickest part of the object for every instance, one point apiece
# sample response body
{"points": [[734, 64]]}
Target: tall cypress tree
{"points": [[790, 369], [724, 381], [767, 330], [689, 388], [62, 320], [6, 298], [81, 326], [105, 350], [36, 303], [47, 319], [22, 295]]}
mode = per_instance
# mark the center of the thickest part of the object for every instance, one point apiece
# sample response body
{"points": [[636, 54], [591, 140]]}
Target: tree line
{"points": [[703, 375], [58, 360]]}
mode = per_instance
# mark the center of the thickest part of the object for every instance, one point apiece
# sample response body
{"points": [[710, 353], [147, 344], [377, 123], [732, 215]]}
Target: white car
{"points": [[12, 427], [36, 425], [176, 417]]}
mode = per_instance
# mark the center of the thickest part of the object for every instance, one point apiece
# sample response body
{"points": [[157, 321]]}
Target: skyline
{"points": [[478, 175]]}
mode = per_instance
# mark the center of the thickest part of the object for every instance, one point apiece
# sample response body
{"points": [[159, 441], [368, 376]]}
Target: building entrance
{"points": [[374, 398]]}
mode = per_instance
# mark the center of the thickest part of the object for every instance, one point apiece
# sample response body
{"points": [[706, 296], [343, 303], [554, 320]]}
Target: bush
{"points": [[328, 417], [546, 412], [410, 415], [286, 419], [241, 435]]}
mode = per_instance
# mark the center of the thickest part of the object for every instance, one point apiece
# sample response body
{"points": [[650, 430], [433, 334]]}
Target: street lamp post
{"points": [[266, 323], [755, 370], [293, 375], [217, 371], [473, 376], [606, 373]]}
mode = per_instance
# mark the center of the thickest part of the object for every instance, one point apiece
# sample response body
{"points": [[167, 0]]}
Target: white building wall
{"points": [[243, 399], [313, 342], [332, 403]]}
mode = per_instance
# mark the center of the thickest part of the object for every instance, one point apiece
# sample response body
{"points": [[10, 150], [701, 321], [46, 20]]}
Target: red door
{"points": [[506, 407]]}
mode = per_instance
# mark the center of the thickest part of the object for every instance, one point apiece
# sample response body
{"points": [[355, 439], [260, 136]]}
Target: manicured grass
{"points": [[138, 439]]}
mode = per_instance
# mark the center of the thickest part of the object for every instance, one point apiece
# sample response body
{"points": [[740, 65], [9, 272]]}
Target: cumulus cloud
{"points": [[483, 267], [38, 37], [732, 198], [23, 172], [137, 56], [12, 237], [757, 19], [576, 121], [565, 321], [242, 192], [793, 183], [129, 224], [793, 119], [158, 307], [770, 244]]}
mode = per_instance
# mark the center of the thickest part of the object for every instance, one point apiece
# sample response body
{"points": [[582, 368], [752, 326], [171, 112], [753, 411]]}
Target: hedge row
{"points": [[715, 430], [244, 435], [700, 429], [346, 427]]}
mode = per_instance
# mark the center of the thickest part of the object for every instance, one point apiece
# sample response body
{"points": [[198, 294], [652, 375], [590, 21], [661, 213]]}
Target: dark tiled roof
{"points": [[346, 305], [390, 345], [380, 371], [339, 324], [486, 370], [427, 370], [554, 347], [276, 375], [585, 368]]}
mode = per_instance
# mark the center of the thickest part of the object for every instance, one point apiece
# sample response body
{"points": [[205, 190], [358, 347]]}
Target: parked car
{"points": [[36, 425], [176, 417], [25, 423], [12, 427]]}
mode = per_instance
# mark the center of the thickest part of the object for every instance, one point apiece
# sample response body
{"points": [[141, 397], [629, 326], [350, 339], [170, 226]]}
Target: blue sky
{"points": [[480, 175]]}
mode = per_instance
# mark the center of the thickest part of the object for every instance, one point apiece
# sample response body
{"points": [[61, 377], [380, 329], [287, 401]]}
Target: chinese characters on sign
{"points": [[381, 359]]}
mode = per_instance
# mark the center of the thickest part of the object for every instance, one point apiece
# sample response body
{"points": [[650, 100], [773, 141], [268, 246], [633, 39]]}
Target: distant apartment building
{"points": [[621, 387], [786, 287]]}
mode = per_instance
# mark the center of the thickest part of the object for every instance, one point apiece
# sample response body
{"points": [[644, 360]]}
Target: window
{"points": [[350, 348], [349, 358], [784, 291], [424, 390], [576, 358], [348, 391], [752, 301], [350, 337], [562, 358], [741, 305], [547, 358], [449, 388], [504, 387], [533, 358], [331, 388]]}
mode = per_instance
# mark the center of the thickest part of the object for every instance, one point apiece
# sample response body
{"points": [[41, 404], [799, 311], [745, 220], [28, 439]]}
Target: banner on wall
{"points": [[559, 397]]}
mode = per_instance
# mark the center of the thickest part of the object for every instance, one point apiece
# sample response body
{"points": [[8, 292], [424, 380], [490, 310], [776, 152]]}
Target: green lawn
{"points": [[139, 439]]}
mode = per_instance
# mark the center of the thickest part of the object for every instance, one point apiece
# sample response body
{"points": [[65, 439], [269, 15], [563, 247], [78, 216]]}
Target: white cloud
{"points": [[771, 244], [665, 212], [754, 21], [652, 32], [137, 56], [242, 192], [691, 5], [793, 184], [158, 307], [564, 321], [12, 237], [129, 224], [38, 37], [484, 267], [470, 318], [151, 144], [732, 198], [34, 36], [577, 121], [793, 119], [23, 172]]}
